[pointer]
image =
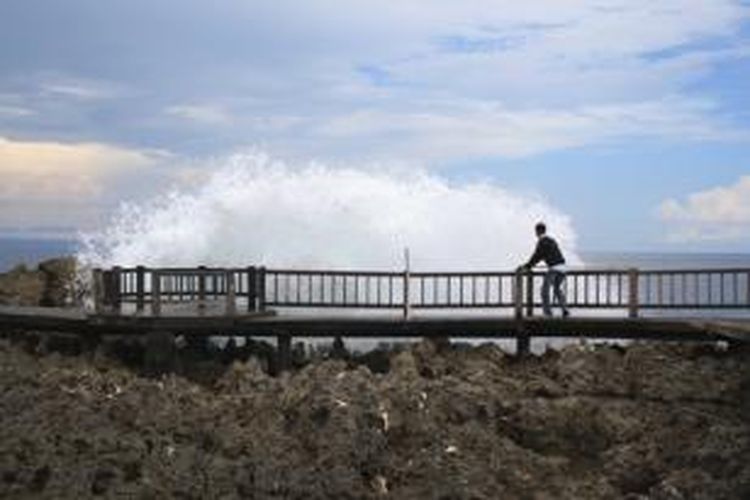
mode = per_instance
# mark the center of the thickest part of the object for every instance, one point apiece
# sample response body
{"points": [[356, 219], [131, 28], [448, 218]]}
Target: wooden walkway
{"points": [[675, 305], [326, 325]]}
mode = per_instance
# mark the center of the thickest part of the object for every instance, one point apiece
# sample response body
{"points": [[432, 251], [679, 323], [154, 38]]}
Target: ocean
{"points": [[30, 251]]}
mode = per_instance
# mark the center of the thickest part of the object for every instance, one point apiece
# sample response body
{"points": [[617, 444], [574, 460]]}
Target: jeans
{"points": [[554, 279]]}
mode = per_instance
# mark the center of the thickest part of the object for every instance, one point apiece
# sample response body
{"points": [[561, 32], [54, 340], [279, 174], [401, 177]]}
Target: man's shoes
{"points": [[566, 313]]}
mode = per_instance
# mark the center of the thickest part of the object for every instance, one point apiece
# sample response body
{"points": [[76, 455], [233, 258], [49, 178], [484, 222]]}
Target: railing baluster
{"points": [[659, 290], [684, 286], [608, 288], [586, 288]]}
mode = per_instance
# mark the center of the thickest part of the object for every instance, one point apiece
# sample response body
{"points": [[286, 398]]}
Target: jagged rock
{"points": [[21, 287], [483, 425], [59, 277], [51, 284]]}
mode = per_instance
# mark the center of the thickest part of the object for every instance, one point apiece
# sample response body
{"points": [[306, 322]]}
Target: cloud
{"points": [[436, 66], [14, 111], [477, 129], [719, 213], [206, 114], [83, 89], [69, 185], [57, 171]]}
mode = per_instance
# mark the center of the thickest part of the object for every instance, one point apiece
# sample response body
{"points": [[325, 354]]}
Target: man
{"points": [[548, 251]]}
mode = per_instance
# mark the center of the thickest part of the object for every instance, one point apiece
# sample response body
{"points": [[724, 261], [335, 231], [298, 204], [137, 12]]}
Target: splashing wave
{"points": [[255, 210]]}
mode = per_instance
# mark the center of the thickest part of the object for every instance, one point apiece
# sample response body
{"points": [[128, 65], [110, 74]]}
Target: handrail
{"points": [[258, 288]]}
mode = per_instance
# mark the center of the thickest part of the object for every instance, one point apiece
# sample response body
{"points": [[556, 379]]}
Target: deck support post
{"points": [[155, 293], [633, 293], [231, 306], [283, 352], [140, 289], [160, 352], [523, 341]]}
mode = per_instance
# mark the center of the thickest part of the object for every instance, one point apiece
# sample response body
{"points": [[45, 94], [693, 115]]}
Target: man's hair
{"points": [[541, 228]]}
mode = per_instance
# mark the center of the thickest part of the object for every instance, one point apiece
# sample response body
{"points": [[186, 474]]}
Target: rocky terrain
{"points": [[650, 421], [50, 284]]}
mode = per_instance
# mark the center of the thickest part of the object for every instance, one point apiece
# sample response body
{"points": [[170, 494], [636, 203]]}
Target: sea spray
{"points": [[253, 209]]}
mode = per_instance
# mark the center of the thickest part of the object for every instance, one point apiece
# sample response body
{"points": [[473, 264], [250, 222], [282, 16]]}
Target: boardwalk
{"points": [[686, 304]]}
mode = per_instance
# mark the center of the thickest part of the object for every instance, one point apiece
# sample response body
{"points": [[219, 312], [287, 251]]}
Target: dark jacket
{"points": [[547, 251]]}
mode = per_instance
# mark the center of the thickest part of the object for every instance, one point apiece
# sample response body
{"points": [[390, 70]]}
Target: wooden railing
{"points": [[253, 289]]}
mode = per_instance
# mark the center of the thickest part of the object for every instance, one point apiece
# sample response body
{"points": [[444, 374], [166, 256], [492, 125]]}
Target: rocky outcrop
{"points": [[50, 284], [588, 422]]}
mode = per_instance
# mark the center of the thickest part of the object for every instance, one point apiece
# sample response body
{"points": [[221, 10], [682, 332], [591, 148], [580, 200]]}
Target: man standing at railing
{"points": [[548, 251]]}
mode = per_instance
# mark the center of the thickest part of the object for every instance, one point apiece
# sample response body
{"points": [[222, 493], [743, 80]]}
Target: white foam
{"points": [[254, 210]]}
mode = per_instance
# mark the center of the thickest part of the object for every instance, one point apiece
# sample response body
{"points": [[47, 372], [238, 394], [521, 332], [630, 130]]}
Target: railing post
{"points": [[633, 293], [252, 291], [116, 289], [140, 289], [155, 293], [107, 291], [231, 306], [201, 289], [529, 293], [97, 279], [518, 294], [523, 342], [261, 288], [407, 303]]}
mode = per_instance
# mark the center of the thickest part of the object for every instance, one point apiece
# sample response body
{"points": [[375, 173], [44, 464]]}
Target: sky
{"points": [[630, 116]]}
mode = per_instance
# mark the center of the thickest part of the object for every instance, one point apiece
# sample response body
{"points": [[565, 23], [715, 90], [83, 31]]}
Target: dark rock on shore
{"points": [[433, 421], [50, 284]]}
